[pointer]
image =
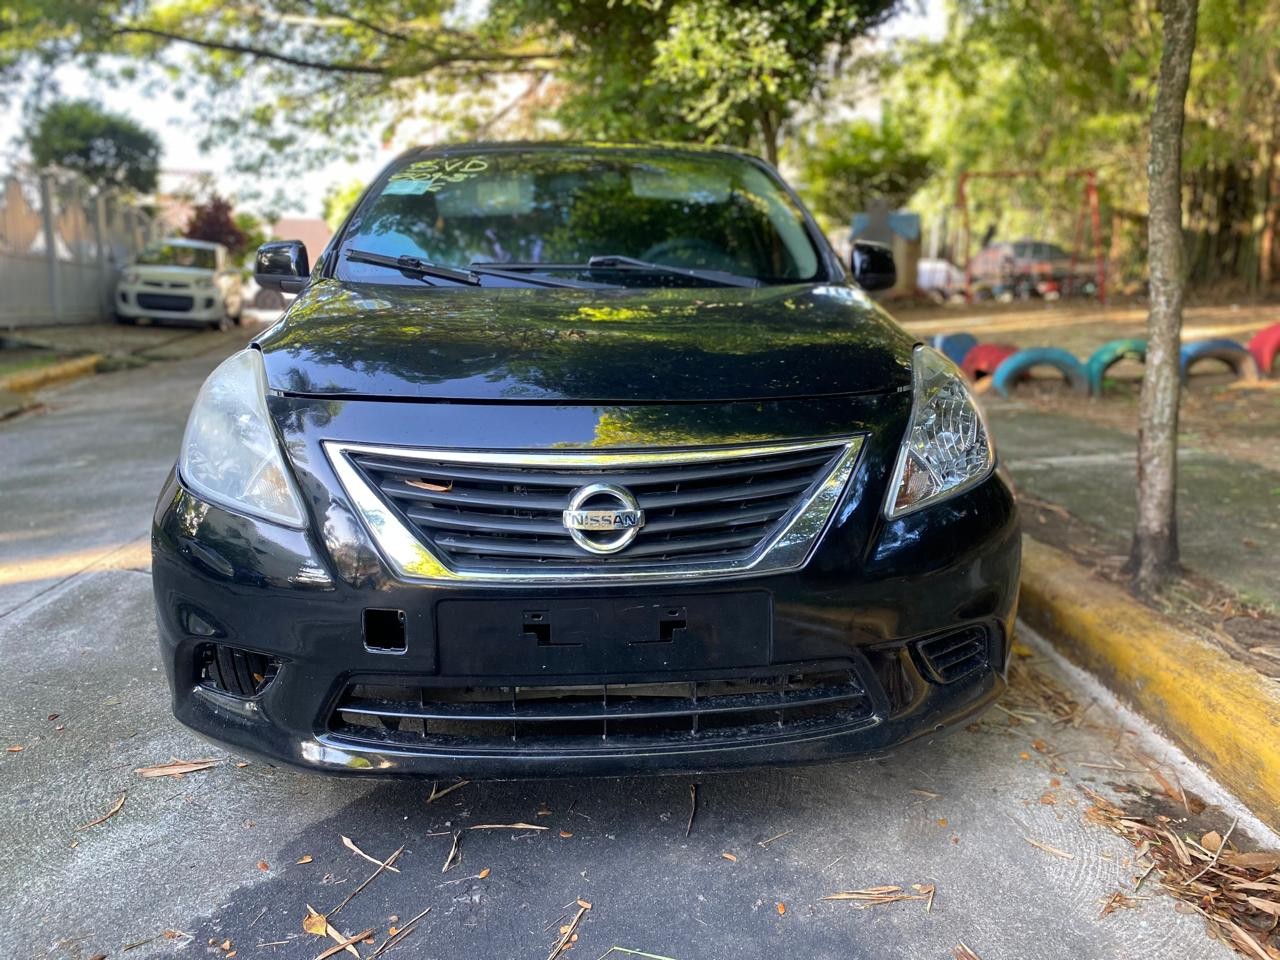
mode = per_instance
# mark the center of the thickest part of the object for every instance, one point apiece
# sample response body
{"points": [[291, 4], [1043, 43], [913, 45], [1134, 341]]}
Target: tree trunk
{"points": [[769, 135], [1155, 539]]}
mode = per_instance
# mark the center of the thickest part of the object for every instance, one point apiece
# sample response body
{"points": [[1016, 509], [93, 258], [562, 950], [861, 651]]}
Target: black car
{"points": [[581, 460]]}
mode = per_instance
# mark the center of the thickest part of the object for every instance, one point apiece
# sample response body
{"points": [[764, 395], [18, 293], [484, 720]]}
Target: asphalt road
{"points": [[232, 855]]}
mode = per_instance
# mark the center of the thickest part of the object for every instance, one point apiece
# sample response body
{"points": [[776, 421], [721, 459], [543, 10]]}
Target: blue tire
{"points": [[1109, 354], [1230, 352], [954, 346], [1020, 364]]}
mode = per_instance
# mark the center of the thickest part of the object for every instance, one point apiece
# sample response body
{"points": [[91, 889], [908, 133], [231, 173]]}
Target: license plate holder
{"points": [[604, 636]]}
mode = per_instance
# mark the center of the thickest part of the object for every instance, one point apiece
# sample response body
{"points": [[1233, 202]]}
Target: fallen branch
{"points": [[115, 808], [399, 935], [176, 767], [316, 925], [446, 791], [569, 931], [350, 845], [384, 865], [345, 943], [455, 853]]}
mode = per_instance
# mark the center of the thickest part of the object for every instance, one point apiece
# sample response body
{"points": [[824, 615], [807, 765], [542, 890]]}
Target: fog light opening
{"points": [[384, 631], [231, 670]]}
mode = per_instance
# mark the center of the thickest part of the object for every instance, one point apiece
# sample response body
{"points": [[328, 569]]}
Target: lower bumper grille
{"points": [[241, 673], [604, 717], [164, 301], [953, 656]]}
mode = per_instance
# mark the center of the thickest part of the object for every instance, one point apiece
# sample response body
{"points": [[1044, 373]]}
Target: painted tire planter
{"points": [[1020, 364], [1108, 355], [954, 346], [1229, 352], [983, 359], [1264, 346]]}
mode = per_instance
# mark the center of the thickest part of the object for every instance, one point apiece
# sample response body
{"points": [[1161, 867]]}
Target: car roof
{"points": [[574, 146]]}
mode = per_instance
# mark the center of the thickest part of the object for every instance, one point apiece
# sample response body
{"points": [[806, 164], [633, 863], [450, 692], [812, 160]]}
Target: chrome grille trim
{"points": [[787, 548]]}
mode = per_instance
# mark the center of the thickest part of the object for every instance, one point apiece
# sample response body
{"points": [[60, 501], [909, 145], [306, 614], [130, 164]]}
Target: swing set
{"points": [[1088, 208]]}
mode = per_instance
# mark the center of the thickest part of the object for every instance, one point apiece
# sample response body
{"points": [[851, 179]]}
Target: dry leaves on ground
{"points": [[351, 845], [315, 924], [115, 808], [569, 932], [1237, 892], [877, 896], [177, 768]]}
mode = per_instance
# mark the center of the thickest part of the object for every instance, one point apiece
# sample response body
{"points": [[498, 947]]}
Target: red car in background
{"points": [[1026, 268]]}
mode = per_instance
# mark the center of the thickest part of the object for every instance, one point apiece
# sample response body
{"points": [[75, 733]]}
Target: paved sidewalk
{"points": [[1228, 510], [140, 342]]}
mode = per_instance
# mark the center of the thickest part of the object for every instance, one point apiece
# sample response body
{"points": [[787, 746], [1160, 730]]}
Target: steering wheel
{"points": [[692, 252]]}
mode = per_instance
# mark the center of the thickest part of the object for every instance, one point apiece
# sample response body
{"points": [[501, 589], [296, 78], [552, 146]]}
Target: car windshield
{"points": [[178, 255], [556, 209]]}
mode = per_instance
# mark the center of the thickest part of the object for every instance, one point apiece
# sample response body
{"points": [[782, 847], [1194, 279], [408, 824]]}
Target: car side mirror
{"points": [[872, 265], [282, 265]]}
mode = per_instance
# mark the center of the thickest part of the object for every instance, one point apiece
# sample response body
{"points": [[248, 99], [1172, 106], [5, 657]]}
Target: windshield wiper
{"points": [[520, 272], [722, 278], [415, 265], [619, 262]]}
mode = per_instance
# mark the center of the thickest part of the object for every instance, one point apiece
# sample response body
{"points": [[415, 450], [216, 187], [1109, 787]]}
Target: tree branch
{"points": [[364, 69], [250, 51]]}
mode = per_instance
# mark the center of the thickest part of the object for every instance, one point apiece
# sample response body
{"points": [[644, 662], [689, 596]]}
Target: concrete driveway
{"points": [[227, 859]]}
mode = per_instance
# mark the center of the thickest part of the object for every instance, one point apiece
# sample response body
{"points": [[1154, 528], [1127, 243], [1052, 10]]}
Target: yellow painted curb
{"points": [[1221, 712], [29, 380]]}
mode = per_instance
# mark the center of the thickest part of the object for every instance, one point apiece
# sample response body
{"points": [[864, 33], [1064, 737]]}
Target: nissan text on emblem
{"points": [[603, 508]]}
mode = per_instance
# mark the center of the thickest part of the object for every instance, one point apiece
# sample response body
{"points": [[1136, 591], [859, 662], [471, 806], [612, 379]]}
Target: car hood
{"points": [[584, 345]]}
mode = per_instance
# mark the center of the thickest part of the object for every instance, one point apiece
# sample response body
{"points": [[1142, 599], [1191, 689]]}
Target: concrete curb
{"points": [[29, 380], [1224, 714]]}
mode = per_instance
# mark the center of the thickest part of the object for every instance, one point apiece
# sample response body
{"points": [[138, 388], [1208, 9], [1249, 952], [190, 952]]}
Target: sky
{"points": [[179, 130]]}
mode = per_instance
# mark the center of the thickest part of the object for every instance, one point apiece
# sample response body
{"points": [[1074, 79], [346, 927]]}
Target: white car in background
{"points": [[181, 281]]}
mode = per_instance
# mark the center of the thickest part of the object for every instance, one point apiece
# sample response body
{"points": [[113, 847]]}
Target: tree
{"points": [[844, 166], [107, 149], [254, 232], [214, 222], [1155, 540], [324, 71], [338, 201]]}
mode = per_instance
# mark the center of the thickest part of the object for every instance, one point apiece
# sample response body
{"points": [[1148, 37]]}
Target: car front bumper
{"points": [[298, 599], [206, 304]]}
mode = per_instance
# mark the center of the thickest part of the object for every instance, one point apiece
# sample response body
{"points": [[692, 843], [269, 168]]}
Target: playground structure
{"points": [[999, 366], [1089, 207]]}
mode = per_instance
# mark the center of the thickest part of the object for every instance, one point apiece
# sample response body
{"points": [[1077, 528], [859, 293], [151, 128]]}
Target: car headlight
{"points": [[130, 276], [229, 451], [947, 448], [203, 282]]}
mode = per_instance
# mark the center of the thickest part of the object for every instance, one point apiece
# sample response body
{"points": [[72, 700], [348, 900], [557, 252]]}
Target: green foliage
{"points": [[709, 70], [214, 222], [322, 73], [255, 234], [338, 201], [1064, 85], [844, 166], [107, 149]]}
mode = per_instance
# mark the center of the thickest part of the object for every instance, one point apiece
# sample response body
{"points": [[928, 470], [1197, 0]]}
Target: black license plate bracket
{"points": [[604, 636]]}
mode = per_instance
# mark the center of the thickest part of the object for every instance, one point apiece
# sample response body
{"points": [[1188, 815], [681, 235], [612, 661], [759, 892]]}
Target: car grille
{"points": [[602, 717], [490, 516], [164, 301]]}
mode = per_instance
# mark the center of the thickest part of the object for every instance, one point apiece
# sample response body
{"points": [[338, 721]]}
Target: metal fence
{"points": [[62, 245]]}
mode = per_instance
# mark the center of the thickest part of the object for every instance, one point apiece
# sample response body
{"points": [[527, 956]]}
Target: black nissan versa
{"points": [[582, 459]]}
